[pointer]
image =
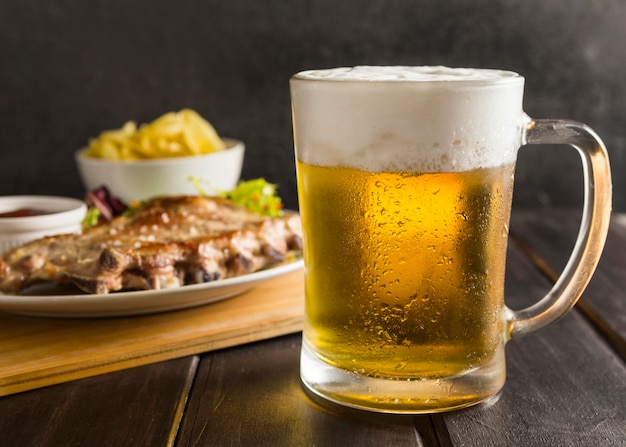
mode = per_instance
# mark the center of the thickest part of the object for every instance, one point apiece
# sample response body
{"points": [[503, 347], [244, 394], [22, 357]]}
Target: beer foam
{"points": [[419, 119]]}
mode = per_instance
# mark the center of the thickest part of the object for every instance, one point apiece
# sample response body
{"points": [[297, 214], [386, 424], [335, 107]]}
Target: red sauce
{"points": [[24, 212]]}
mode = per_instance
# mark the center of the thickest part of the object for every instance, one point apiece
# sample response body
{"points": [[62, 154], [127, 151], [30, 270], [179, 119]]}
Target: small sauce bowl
{"points": [[26, 218]]}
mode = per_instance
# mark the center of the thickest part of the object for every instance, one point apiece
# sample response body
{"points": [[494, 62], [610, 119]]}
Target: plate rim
{"points": [[57, 305]]}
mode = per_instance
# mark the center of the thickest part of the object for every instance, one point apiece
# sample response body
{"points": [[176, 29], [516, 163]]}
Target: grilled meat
{"points": [[168, 242]]}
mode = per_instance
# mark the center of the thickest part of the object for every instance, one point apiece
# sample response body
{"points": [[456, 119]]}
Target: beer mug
{"points": [[405, 180]]}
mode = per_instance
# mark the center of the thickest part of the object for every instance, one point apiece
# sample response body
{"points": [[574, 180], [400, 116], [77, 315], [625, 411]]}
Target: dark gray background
{"points": [[71, 68]]}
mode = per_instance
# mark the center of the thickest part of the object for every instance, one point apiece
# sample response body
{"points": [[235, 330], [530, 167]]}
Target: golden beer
{"points": [[405, 271]]}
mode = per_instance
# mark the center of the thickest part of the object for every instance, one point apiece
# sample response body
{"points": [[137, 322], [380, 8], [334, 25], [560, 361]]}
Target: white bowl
{"points": [[132, 180], [64, 215]]}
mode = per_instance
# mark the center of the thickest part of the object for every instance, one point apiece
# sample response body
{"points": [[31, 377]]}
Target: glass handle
{"points": [[593, 229]]}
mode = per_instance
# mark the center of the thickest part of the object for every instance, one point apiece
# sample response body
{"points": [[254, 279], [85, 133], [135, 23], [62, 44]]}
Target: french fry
{"points": [[174, 134]]}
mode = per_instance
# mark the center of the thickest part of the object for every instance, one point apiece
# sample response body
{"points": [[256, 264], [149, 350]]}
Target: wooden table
{"points": [[566, 384]]}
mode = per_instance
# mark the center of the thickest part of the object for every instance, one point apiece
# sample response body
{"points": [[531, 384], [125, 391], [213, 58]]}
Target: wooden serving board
{"points": [[37, 352]]}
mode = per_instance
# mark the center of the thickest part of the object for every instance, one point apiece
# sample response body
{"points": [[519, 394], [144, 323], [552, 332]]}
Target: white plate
{"points": [[43, 302]]}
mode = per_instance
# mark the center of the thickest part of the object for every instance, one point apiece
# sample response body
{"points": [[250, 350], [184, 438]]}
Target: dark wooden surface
{"points": [[566, 384]]}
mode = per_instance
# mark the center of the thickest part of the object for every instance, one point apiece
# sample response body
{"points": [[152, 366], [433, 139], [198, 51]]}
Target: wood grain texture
{"points": [[550, 237], [37, 352], [565, 385], [137, 407], [251, 395]]}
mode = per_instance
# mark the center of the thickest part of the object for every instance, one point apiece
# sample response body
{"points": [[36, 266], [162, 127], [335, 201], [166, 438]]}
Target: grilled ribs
{"points": [[168, 242]]}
